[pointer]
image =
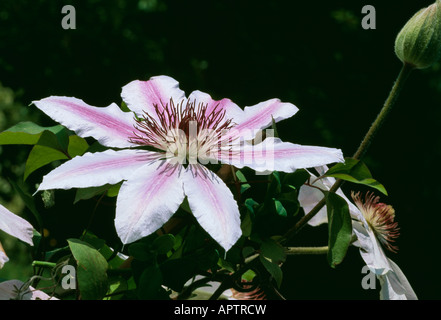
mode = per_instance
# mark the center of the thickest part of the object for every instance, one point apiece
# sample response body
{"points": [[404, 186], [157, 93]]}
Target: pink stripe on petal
{"points": [[232, 110], [143, 96], [147, 200], [213, 205], [15, 226], [260, 115], [97, 169], [274, 155], [110, 125]]}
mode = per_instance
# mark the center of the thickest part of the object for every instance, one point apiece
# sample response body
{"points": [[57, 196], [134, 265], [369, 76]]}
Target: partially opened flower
{"points": [[376, 228], [168, 140], [16, 227], [374, 225], [310, 194]]}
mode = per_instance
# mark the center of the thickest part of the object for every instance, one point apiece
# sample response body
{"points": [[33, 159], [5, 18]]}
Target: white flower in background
{"points": [[17, 290], [185, 135], [376, 227], [373, 223], [3, 257], [16, 227]]}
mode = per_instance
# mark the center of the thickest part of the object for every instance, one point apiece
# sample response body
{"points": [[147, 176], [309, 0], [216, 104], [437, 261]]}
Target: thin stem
{"points": [[405, 71], [44, 264], [390, 101], [306, 250]]}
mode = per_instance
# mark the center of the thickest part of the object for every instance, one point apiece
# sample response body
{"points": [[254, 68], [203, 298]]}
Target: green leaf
{"points": [[251, 205], [355, 171], [280, 209], [248, 251], [272, 251], [290, 202], [29, 133], [114, 190], [274, 188], [248, 275], [117, 285], [339, 228], [246, 225], [91, 270], [274, 270], [77, 146], [164, 243], [142, 251], [29, 202], [88, 193], [244, 186], [294, 180], [149, 283], [41, 156]]}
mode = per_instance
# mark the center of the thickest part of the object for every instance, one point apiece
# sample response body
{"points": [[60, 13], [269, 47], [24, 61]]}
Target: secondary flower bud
{"points": [[419, 42]]}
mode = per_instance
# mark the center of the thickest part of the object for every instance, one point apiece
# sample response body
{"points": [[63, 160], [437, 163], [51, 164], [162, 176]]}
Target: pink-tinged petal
{"points": [[261, 115], [213, 205], [110, 125], [97, 169], [232, 110], [15, 226], [3, 258], [309, 196], [274, 155], [143, 96], [148, 199], [17, 290]]}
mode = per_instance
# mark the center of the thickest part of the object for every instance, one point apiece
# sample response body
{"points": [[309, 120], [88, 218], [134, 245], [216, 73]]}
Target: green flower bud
{"points": [[419, 42]]}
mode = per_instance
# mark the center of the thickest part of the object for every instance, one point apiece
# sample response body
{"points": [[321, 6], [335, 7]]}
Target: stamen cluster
{"points": [[187, 130], [380, 218]]}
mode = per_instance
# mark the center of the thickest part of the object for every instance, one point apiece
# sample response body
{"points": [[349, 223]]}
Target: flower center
{"points": [[380, 218], [185, 131]]}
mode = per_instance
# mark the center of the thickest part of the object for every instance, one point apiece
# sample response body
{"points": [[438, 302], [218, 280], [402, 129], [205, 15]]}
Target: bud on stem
{"points": [[419, 42]]}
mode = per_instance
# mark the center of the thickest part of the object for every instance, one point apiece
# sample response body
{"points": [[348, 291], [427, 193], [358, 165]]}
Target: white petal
{"points": [[395, 286], [232, 110], [370, 250], [148, 199], [274, 155], [261, 115], [3, 258], [308, 198], [15, 226], [13, 289], [143, 96], [96, 169], [213, 205], [110, 125]]}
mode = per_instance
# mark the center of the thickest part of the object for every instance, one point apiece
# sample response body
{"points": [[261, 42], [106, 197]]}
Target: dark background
{"points": [[314, 54]]}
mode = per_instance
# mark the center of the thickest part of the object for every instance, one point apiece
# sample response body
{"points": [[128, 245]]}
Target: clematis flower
{"points": [[373, 224], [16, 227], [18, 290], [166, 145]]}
